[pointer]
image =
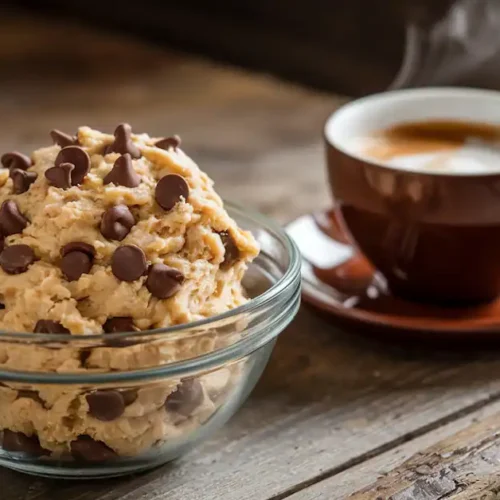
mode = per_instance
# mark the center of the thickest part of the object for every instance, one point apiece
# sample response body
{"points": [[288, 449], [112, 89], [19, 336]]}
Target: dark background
{"points": [[347, 46]]}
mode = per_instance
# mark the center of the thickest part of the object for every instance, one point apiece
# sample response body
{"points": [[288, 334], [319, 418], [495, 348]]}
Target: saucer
{"points": [[339, 281]]}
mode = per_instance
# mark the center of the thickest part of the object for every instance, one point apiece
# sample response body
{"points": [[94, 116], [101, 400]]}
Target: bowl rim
{"points": [[240, 348]]}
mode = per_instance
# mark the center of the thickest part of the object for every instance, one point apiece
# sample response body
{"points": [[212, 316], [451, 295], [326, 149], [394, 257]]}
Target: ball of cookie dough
{"points": [[123, 229]]}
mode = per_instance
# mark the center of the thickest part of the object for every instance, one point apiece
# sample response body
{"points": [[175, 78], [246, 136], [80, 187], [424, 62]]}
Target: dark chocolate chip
{"points": [[15, 259], [49, 326], [12, 221], [16, 160], [129, 396], [170, 190], [123, 173], [119, 324], [128, 263], [74, 264], [79, 158], [186, 398], [77, 259], [87, 449], [60, 177], [22, 180], [106, 405], [169, 142], [163, 281], [62, 139], [2, 307], [19, 442], [118, 343], [78, 246], [116, 222], [123, 142], [31, 395], [232, 253], [84, 355]]}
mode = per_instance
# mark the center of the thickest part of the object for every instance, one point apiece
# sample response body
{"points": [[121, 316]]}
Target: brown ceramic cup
{"points": [[434, 235]]}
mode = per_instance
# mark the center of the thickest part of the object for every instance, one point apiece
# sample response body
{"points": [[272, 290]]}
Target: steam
{"points": [[457, 49]]}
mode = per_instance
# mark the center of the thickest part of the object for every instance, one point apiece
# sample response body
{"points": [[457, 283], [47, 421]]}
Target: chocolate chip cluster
{"points": [[128, 262], [106, 405]]}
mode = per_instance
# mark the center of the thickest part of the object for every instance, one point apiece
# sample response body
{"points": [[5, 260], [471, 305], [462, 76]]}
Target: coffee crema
{"points": [[444, 146]]}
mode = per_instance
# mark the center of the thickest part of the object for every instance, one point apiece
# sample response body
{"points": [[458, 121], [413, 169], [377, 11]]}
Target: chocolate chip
{"points": [[22, 180], [74, 264], [49, 326], [77, 258], [106, 405], [19, 442], [123, 173], [62, 139], [163, 281], [31, 395], [2, 307], [60, 176], [123, 142], [79, 158], [116, 222], [88, 450], [16, 160], [84, 355], [118, 343], [129, 396], [128, 263], [170, 189], [2, 242], [12, 221], [119, 324], [169, 143], [15, 259], [186, 398], [232, 252], [78, 246]]}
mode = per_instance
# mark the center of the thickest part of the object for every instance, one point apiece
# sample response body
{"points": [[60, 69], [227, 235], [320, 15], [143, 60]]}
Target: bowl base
{"points": [[79, 473]]}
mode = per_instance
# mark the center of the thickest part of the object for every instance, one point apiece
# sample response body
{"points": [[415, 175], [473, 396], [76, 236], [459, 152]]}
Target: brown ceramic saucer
{"points": [[339, 281]]}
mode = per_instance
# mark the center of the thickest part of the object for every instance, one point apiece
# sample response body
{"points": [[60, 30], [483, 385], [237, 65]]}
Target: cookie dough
{"points": [[109, 233]]}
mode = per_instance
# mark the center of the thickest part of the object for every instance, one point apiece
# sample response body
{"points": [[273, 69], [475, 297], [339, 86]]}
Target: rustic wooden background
{"points": [[353, 47], [335, 415]]}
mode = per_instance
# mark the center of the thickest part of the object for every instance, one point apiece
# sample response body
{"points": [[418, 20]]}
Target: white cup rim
{"points": [[352, 112]]}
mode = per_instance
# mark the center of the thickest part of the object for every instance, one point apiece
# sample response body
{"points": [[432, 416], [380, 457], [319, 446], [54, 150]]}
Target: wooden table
{"points": [[334, 416]]}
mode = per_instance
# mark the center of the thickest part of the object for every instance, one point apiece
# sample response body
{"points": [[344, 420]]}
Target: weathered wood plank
{"points": [[341, 486], [464, 465]]}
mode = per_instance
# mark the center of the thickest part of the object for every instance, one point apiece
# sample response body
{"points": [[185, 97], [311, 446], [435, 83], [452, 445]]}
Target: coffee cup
{"points": [[415, 178]]}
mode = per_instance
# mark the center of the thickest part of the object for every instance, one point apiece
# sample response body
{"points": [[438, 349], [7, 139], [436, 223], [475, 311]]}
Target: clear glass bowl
{"points": [[113, 404]]}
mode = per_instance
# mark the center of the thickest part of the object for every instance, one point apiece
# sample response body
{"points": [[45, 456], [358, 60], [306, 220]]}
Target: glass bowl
{"points": [[108, 405]]}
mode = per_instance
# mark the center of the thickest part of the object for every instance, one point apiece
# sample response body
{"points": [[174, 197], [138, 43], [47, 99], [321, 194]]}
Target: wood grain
{"points": [[463, 466], [365, 475], [328, 401]]}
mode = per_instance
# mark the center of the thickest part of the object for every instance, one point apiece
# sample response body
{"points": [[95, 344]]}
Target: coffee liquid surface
{"points": [[455, 147]]}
